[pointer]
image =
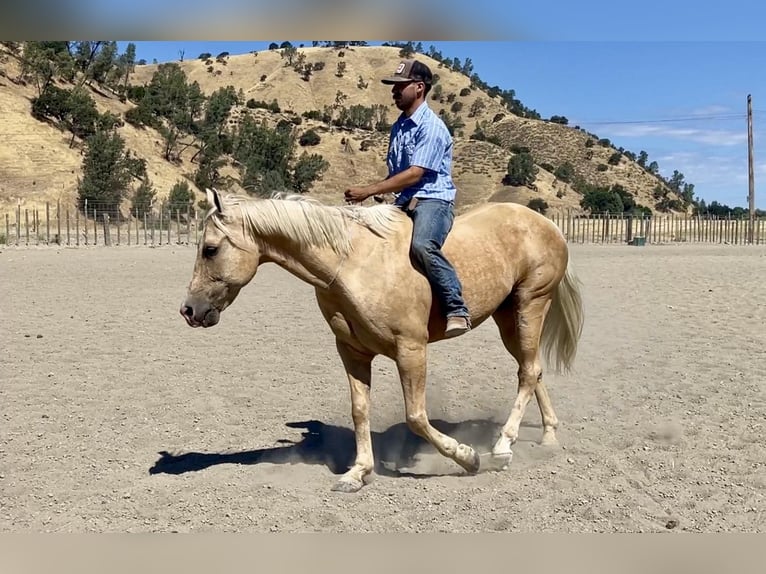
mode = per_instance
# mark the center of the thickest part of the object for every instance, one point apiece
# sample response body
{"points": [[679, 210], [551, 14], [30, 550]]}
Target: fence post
{"points": [[47, 224], [107, 236], [85, 221], [188, 224], [7, 229], [26, 223], [58, 220]]}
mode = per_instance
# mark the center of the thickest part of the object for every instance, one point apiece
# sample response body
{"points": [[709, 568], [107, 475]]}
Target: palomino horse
{"points": [[513, 264]]}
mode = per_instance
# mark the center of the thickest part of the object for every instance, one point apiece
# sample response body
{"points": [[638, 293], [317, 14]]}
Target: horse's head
{"points": [[226, 261]]}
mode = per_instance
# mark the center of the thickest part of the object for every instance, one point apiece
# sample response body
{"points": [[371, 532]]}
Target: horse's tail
{"points": [[563, 325]]}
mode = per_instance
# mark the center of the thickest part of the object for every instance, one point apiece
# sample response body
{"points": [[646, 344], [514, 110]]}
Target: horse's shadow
{"points": [[395, 449]]}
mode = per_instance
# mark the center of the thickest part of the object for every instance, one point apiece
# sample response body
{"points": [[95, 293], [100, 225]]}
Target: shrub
{"points": [[309, 137], [538, 204], [565, 172]]}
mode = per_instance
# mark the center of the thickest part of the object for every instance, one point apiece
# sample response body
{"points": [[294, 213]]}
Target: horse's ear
{"points": [[214, 199]]}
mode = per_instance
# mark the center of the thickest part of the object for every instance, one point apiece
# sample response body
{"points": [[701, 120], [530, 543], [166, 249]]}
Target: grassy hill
{"points": [[37, 163]]}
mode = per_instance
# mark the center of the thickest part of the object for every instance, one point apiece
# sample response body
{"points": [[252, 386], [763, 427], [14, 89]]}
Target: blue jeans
{"points": [[432, 221]]}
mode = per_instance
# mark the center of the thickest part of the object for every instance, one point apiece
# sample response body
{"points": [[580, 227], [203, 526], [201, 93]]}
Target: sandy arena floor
{"points": [[118, 417]]}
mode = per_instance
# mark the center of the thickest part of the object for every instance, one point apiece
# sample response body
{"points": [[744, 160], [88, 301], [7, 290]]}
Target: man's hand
{"points": [[393, 184], [357, 194]]}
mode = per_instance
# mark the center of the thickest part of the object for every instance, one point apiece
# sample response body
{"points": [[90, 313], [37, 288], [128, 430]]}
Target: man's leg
{"points": [[432, 221]]}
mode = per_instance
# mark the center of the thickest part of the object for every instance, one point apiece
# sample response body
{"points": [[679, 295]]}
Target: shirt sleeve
{"points": [[430, 145]]}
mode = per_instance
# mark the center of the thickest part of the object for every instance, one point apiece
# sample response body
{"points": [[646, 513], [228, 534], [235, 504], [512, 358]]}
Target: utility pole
{"points": [[750, 178]]}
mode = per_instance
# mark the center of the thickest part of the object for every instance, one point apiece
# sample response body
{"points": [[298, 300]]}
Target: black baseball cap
{"points": [[410, 71]]}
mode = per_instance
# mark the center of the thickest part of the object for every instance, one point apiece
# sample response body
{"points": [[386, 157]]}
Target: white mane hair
{"points": [[307, 220]]}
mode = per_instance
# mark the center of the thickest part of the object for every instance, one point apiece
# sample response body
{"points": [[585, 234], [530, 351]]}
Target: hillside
{"points": [[38, 165]]}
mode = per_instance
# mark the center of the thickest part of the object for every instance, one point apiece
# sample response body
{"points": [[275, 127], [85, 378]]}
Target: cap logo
{"points": [[400, 68]]}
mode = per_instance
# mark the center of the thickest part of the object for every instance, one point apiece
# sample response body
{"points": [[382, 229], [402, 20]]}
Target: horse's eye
{"points": [[209, 251]]}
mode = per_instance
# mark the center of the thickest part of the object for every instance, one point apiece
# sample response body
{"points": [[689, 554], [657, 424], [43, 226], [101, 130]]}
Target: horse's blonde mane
{"points": [[306, 220]]}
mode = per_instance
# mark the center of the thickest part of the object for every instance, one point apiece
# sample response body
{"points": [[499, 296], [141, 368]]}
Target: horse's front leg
{"points": [[359, 370], [411, 363]]}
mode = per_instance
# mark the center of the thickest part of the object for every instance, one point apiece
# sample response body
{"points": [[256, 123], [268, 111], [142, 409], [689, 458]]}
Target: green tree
{"points": [[83, 117], [127, 64], [521, 170], [143, 198], [52, 103], [72, 110], [180, 195], [307, 170], [43, 61], [259, 150], [210, 131], [288, 53], [105, 172], [676, 181], [602, 200], [406, 50], [102, 59], [688, 193]]}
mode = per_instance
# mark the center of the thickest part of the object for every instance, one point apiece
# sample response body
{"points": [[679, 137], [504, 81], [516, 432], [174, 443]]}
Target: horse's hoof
{"points": [[501, 461], [549, 440], [469, 459], [348, 485]]}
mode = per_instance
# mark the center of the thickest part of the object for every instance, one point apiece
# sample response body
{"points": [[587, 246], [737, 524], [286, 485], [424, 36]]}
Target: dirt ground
{"points": [[117, 417]]}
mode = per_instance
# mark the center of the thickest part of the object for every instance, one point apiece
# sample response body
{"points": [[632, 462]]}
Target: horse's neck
{"points": [[318, 266]]}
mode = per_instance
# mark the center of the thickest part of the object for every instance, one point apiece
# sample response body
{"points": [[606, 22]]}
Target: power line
{"points": [[726, 117]]}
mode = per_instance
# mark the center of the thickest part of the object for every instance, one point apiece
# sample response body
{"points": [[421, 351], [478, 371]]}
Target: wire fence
{"points": [[181, 224], [660, 229], [163, 224]]}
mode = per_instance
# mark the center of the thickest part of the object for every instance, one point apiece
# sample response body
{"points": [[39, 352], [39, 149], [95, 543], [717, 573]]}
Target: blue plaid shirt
{"points": [[422, 140]]}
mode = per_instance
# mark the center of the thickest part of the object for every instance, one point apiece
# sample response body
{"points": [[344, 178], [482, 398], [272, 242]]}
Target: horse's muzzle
{"points": [[201, 318]]}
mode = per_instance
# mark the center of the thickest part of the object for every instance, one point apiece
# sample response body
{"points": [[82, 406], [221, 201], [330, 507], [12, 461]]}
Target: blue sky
{"points": [[682, 100]]}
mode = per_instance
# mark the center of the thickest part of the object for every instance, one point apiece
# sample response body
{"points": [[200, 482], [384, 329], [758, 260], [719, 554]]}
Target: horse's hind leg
{"points": [[411, 364], [520, 324]]}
